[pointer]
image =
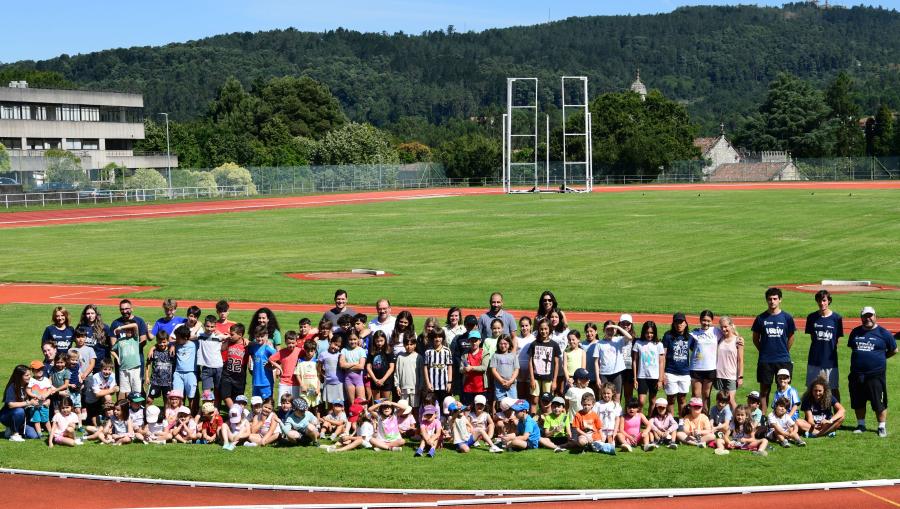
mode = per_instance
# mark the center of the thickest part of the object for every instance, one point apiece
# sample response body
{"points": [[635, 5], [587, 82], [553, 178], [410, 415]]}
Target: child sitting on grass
{"points": [[460, 427], [782, 427], [697, 429], [588, 428], [431, 432], [266, 427], [238, 429], [64, 424], [300, 427], [662, 425], [633, 427], [184, 429], [335, 422], [387, 430], [740, 434], [528, 434]]}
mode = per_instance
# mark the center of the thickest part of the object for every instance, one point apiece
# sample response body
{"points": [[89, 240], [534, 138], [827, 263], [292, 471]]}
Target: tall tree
{"points": [[843, 123], [635, 137], [303, 105], [883, 132], [789, 119]]}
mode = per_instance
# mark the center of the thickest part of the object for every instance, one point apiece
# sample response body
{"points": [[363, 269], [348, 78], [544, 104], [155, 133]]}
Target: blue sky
{"points": [[59, 26]]}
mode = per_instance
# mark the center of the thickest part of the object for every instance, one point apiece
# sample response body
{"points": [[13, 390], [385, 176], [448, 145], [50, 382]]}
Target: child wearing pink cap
{"points": [[430, 430]]}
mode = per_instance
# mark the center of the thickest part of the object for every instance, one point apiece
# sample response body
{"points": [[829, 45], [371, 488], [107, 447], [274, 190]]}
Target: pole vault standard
{"points": [[520, 132], [572, 169]]}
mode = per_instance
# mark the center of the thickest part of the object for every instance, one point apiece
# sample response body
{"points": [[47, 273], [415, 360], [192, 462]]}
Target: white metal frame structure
{"points": [[587, 162], [512, 131]]}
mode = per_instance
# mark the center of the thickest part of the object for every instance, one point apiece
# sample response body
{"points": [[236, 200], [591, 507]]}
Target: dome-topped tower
{"points": [[638, 87]]}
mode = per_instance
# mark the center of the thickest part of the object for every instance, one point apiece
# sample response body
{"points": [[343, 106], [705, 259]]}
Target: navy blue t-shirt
{"points": [[61, 338], [869, 350], [101, 350], [678, 348], [774, 331], [819, 413], [824, 332]]}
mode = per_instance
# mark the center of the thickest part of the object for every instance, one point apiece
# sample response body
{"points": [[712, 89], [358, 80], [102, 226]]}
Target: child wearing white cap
{"points": [[662, 425], [783, 379], [237, 430], [482, 424]]}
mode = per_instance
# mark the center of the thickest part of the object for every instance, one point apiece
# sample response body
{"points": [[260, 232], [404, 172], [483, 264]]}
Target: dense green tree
{"points": [[146, 178], [35, 78], [635, 137], [357, 144], [414, 152], [4, 158], [472, 156], [716, 59], [789, 119], [303, 105], [65, 168], [843, 123]]}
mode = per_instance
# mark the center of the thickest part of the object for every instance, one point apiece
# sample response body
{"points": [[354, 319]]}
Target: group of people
{"points": [[490, 380]]}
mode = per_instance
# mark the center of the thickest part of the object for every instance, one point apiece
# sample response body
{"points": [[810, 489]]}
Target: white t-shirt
{"points": [[561, 339], [785, 421], [573, 396], [609, 413], [62, 422], [648, 358], [611, 355], [524, 358], [209, 351], [43, 385], [387, 327], [703, 358]]}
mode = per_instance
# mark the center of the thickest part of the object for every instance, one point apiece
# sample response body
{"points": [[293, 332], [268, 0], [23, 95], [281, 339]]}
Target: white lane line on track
{"points": [[194, 211]]}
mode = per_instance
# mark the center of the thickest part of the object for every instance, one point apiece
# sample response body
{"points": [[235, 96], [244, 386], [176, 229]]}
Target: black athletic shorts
{"points": [[229, 388], [868, 389], [647, 386], [158, 392], [765, 371], [707, 375]]}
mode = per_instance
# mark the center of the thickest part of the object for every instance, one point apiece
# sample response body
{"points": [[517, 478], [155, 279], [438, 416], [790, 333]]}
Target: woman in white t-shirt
{"points": [[703, 356], [453, 326]]}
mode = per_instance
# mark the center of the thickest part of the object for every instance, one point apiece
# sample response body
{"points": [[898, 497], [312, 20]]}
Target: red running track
{"points": [[117, 213], [108, 295], [36, 492]]}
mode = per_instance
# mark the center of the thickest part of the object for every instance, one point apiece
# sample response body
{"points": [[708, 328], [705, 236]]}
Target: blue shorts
{"points": [[39, 413], [470, 442], [75, 396], [263, 391], [500, 393], [185, 382]]}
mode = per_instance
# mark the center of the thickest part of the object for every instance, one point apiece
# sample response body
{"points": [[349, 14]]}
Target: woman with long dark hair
{"points": [[98, 333], [266, 318], [15, 402]]}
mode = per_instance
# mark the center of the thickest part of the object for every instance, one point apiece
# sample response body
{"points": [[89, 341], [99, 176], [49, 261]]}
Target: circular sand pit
{"points": [[834, 286], [350, 274]]}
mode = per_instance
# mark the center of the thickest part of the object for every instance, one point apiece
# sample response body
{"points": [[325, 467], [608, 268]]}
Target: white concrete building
{"points": [[98, 127]]}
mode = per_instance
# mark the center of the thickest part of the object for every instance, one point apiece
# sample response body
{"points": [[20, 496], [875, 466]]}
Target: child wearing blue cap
{"points": [[528, 433], [460, 427]]}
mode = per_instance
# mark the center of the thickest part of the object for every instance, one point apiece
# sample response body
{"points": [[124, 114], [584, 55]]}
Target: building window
{"points": [[90, 114], [81, 144], [68, 112], [12, 143], [42, 143], [39, 112], [90, 144]]}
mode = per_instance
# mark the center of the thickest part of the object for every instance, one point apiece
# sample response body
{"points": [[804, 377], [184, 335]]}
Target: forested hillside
{"points": [[716, 60]]}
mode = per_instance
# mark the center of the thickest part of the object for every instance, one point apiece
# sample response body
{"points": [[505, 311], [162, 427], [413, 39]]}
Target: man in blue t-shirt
{"points": [[773, 336], [824, 328], [872, 344]]}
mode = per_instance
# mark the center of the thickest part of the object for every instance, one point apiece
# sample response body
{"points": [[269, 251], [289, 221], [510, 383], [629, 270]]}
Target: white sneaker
{"points": [[722, 452], [15, 437], [626, 447], [494, 448], [330, 448], [249, 444], [396, 449], [78, 441]]}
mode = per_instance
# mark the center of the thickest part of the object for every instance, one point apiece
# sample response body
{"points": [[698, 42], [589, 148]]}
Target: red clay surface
{"points": [[32, 492], [108, 295], [323, 276], [815, 287], [118, 213]]}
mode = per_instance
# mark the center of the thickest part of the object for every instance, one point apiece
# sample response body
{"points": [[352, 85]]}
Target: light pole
{"points": [[168, 155]]}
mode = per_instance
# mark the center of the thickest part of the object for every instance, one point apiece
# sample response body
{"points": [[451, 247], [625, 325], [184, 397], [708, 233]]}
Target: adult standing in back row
{"points": [[340, 309], [496, 312], [872, 344], [773, 336]]}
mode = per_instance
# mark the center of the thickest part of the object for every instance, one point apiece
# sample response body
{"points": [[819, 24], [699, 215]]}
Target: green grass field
{"points": [[637, 252]]}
